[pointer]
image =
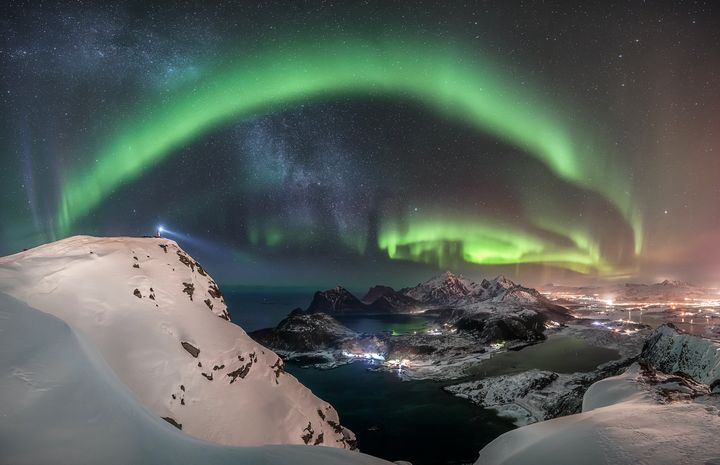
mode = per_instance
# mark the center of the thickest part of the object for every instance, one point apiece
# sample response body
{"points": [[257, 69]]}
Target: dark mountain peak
{"points": [[304, 332], [377, 291], [336, 300]]}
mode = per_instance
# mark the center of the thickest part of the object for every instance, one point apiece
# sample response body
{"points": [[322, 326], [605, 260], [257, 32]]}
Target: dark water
{"points": [[259, 307], [561, 354], [415, 421], [420, 422]]}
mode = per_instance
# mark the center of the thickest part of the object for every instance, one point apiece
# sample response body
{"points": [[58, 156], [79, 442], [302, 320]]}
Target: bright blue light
{"points": [[161, 229]]}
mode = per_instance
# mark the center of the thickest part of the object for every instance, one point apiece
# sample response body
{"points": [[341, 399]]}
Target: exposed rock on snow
{"points": [[163, 348], [63, 404], [535, 395], [671, 351], [445, 289], [453, 290]]}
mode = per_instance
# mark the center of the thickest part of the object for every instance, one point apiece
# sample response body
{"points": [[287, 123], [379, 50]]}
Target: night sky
{"points": [[356, 143]]}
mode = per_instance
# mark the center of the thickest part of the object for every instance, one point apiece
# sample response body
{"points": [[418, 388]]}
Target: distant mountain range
{"points": [[442, 291], [666, 291]]}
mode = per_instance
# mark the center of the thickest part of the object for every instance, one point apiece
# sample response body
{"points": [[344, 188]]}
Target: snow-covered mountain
{"points": [[672, 351], [62, 404], [160, 322], [444, 289], [456, 290]]}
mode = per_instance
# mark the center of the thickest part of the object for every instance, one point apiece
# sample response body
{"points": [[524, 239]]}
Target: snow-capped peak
{"points": [[443, 289], [152, 312]]}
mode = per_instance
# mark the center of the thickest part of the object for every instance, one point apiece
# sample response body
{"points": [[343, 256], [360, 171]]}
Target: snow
{"points": [[235, 392], [622, 423], [61, 403], [673, 351], [507, 394]]}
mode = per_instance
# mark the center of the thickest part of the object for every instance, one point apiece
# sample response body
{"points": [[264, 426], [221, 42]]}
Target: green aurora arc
{"points": [[443, 79]]}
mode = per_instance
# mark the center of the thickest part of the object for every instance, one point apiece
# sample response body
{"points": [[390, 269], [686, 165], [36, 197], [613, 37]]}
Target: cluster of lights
{"points": [[446, 328], [399, 363], [365, 355], [616, 326]]}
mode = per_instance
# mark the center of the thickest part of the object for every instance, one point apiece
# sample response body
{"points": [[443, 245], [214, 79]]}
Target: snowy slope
{"points": [[622, 424], [61, 404], [444, 289], [671, 351], [159, 321], [456, 290]]}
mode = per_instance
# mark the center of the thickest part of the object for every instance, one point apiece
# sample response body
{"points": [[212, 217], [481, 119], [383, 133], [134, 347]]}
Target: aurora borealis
{"points": [[331, 138]]}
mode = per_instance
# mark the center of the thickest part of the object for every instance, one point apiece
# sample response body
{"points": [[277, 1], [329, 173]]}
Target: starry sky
{"points": [[318, 143]]}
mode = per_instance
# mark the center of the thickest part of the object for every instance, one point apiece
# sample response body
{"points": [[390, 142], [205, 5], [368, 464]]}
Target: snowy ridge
{"points": [[671, 351], [159, 321], [63, 405], [451, 289], [444, 289]]}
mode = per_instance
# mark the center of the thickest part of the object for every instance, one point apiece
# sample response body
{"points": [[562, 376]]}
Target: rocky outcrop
{"points": [[536, 395], [377, 291], [304, 332], [395, 302], [336, 301], [521, 325], [672, 351]]}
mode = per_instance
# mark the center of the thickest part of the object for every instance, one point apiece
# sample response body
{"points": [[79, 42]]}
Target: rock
{"points": [[669, 350], [376, 292], [173, 422], [303, 332], [192, 350], [189, 289], [240, 372], [336, 301]]}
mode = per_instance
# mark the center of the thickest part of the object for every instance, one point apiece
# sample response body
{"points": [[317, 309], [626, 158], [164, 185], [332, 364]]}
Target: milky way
{"points": [[335, 137]]}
